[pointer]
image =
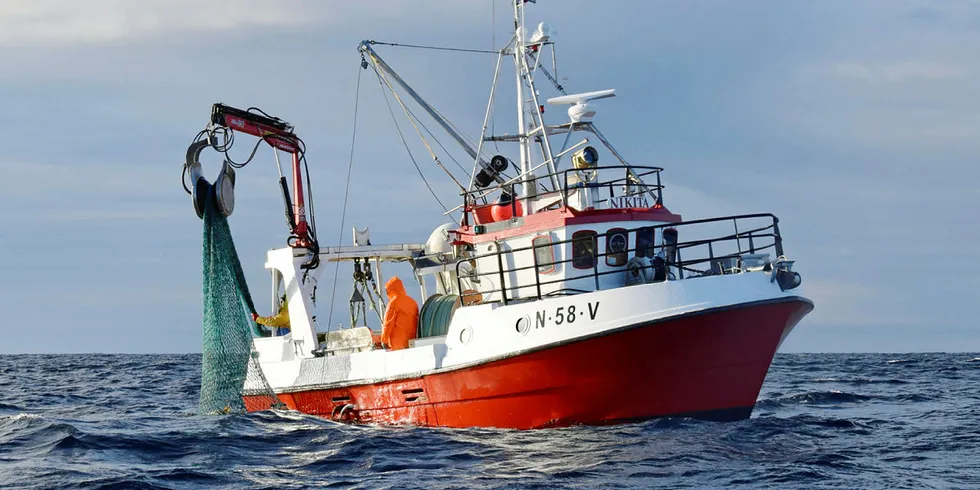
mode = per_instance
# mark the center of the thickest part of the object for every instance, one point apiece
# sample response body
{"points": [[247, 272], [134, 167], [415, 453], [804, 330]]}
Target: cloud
{"points": [[53, 22], [60, 23], [75, 178], [92, 215], [901, 72], [906, 110], [856, 126], [844, 302]]}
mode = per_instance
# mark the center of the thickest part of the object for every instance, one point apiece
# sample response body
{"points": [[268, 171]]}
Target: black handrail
{"points": [[627, 179], [632, 173], [753, 234]]}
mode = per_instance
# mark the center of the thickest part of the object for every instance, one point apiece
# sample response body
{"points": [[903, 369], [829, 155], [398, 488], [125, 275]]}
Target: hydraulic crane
{"points": [[219, 134]]}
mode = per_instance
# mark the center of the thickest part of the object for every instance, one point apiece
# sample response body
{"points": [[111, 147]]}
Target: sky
{"points": [[856, 123]]}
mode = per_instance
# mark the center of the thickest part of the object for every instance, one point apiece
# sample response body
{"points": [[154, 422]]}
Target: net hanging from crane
{"points": [[229, 364]]}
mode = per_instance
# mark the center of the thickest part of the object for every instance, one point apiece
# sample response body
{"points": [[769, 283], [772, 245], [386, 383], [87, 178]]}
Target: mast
{"points": [[521, 128], [529, 106]]}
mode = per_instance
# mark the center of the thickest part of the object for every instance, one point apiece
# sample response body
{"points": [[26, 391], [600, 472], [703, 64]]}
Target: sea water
{"points": [[822, 421]]}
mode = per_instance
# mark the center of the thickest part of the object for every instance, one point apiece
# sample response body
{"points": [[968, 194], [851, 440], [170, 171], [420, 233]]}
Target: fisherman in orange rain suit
{"points": [[401, 317]]}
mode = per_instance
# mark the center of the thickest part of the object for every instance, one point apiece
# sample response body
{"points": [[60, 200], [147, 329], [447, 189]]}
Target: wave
{"points": [[861, 381], [834, 420], [912, 397], [30, 435], [21, 416], [832, 397]]}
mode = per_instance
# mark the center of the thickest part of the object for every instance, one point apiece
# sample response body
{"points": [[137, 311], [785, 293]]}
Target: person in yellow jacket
{"points": [[401, 317], [279, 320]]}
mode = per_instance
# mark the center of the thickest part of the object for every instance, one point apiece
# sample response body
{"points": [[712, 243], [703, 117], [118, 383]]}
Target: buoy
{"points": [[504, 210]]}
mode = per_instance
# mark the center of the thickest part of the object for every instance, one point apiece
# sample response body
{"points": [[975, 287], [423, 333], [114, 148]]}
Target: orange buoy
{"points": [[501, 211]]}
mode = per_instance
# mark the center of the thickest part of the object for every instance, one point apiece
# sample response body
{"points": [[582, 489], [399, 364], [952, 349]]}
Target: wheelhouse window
{"points": [[617, 245], [584, 249], [544, 254], [644, 242]]}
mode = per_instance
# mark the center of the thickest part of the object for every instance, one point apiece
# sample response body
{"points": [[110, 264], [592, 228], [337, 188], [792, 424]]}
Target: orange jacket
{"points": [[401, 317]]}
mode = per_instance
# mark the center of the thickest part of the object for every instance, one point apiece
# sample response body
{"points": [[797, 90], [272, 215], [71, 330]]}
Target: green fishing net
{"points": [[229, 364]]}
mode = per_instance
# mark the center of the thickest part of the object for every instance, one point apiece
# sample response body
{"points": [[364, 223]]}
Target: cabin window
{"points": [[617, 244], [644, 242], [544, 254], [584, 249]]}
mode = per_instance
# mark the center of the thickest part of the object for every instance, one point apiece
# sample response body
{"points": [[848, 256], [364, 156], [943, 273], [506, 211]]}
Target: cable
{"points": [[434, 138], [493, 24], [314, 243], [412, 120], [404, 142], [437, 48], [183, 172], [343, 214]]}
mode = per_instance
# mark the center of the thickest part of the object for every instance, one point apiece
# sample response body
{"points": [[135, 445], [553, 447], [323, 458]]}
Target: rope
{"points": [[437, 48], [404, 142], [343, 215], [427, 130], [411, 119]]}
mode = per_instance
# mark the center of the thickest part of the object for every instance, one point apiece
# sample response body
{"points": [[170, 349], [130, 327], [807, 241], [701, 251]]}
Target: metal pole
{"points": [[545, 140], [380, 280], [500, 270], [518, 68], [380, 63], [486, 117], [298, 204]]}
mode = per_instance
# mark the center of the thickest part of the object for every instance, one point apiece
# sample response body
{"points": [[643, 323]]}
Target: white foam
{"points": [[22, 416]]}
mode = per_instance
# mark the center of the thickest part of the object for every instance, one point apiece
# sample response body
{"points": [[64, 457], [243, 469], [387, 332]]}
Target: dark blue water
{"points": [[822, 421]]}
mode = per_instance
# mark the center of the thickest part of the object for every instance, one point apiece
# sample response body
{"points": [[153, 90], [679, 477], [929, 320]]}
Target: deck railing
{"points": [[612, 181], [695, 254]]}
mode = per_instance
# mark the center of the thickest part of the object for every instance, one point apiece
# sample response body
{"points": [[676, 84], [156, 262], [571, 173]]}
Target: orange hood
{"points": [[394, 287]]}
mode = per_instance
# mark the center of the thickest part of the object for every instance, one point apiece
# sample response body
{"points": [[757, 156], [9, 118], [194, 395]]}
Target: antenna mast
{"points": [[522, 129], [529, 105]]}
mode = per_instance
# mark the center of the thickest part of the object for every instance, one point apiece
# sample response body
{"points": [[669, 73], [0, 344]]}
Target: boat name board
{"points": [[626, 202], [561, 315]]}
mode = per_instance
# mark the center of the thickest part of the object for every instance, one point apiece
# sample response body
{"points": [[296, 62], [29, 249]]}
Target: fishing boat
{"points": [[562, 290]]}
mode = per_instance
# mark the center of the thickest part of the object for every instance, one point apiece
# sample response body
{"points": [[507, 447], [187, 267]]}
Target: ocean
{"points": [[821, 421]]}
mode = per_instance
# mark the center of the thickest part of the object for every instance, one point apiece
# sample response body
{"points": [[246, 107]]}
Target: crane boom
{"points": [[365, 47]]}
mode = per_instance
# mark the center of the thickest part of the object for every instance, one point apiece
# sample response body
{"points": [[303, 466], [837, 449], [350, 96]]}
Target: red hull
{"points": [[707, 365]]}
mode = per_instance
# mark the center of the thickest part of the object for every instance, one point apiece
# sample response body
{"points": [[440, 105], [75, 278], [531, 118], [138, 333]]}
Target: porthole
{"points": [[617, 245]]}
